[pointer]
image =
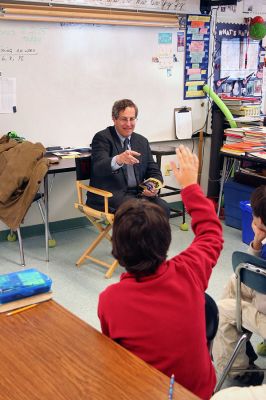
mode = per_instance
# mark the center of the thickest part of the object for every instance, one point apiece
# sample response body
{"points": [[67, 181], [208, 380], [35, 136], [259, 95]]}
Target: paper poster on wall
{"points": [[165, 51], [7, 95], [180, 41], [238, 61], [258, 7], [196, 56]]}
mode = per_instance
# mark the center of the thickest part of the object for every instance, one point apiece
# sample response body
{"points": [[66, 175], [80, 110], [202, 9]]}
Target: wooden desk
{"points": [[47, 353], [64, 165]]}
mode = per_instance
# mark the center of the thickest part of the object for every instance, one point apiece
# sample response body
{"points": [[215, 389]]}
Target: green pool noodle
{"points": [[225, 110]]}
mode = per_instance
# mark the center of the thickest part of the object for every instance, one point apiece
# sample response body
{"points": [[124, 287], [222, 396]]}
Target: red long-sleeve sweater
{"points": [[161, 318]]}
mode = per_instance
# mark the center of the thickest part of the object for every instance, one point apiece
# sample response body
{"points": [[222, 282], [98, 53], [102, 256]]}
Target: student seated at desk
{"points": [[157, 310], [253, 307], [122, 160]]}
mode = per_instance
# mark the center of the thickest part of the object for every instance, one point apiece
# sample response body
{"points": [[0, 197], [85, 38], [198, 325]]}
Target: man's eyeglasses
{"points": [[124, 119]]}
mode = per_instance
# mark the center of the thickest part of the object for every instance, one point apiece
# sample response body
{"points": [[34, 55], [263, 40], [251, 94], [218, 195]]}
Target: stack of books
{"points": [[243, 106], [244, 140]]}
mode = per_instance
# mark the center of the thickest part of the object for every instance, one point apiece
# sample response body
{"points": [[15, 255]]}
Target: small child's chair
{"points": [[102, 220]]}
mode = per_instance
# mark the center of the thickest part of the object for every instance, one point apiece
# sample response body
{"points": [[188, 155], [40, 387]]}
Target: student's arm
{"points": [[201, 256]]}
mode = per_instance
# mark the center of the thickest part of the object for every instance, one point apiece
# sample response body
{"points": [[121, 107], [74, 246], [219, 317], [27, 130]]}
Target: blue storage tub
{"points": [[247, 231], [235, 192], [20, 284]]}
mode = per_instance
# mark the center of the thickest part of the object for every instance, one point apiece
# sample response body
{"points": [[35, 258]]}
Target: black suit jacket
{"points": [[105, 145]]}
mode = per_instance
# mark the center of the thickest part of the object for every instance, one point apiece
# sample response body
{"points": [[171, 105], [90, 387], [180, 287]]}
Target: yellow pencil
{"points": [[18, 310]]}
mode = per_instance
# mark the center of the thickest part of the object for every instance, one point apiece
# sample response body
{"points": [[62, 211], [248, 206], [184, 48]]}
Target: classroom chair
{"points": [[102, 220], [251, 271], [212, 319], [49, 242]]}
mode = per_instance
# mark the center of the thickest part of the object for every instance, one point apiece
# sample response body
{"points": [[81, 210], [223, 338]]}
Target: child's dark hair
{"points": [[141, 236], [258, 203]]}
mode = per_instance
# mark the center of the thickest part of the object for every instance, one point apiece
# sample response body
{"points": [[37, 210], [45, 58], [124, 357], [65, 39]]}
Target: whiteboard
{"points": [[69, 75]]}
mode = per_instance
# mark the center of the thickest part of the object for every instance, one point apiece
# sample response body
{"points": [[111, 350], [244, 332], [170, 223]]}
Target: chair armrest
{"points": [[94, 190]]}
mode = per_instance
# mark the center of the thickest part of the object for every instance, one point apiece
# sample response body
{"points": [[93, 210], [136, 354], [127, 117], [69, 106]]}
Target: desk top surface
{"points": [[162, 149], [244, 157], [49, 353], [65, 165]]}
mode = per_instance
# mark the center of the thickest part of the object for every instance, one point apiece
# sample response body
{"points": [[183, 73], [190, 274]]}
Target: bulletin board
{"points": [[197, 55], [239, 60]]}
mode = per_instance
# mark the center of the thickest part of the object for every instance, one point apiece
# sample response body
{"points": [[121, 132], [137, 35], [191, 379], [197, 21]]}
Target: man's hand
{"points": [[260, 235], [188, 164], [127, 157], [150, 192]]}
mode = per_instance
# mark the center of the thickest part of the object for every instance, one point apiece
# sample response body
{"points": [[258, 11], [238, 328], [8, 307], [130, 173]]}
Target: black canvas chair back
{"points": [[212, 319], [83, 168]]}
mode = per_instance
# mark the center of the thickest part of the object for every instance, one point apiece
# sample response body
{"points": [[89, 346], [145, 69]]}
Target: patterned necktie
{"points": [[131, 179]]}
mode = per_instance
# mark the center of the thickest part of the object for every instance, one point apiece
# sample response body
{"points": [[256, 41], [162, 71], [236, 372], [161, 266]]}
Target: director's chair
{"points": [[102, 220]]}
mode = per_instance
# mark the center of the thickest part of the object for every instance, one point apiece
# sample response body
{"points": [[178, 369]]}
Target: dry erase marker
{"points": [[18, 310], [171, 387]]}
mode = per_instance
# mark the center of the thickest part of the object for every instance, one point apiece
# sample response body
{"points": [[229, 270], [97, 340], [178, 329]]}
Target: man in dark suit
{"points": [[122, 159]]}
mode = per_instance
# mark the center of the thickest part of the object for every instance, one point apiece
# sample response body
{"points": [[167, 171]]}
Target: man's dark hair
{"points": [[121, 105], [141, 236], [258, 203]]}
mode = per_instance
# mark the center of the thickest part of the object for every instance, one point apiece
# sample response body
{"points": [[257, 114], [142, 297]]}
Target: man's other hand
{"points": [[127, 157]]}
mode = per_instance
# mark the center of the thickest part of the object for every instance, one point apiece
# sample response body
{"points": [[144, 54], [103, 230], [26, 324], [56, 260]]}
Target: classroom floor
{"points": [[77, 289]]}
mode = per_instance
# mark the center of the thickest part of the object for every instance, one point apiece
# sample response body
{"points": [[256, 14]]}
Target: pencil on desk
{"points": [[171, 387], [18, 310]]}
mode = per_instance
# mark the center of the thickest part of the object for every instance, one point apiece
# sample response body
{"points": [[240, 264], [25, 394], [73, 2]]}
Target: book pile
{"points": [[244, 140], [243, 106]]}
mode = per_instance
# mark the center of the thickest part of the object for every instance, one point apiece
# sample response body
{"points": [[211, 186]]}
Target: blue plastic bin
{"points": [[235, 192], [247, 231], [28, 282]]}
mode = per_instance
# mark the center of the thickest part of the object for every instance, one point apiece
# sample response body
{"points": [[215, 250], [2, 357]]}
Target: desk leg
{"points": [[46, 220], [222, 185]]}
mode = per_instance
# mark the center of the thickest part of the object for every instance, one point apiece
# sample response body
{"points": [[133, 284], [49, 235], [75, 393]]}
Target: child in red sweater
{"points": [[157, 310]]}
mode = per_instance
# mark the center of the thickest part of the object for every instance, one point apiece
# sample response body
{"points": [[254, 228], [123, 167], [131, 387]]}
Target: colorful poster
{"points": [[239, 61], [197, 55], [180, 41]]}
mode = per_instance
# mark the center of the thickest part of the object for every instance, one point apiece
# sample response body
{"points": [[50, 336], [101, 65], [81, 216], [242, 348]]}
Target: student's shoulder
{"points": [[111, 289]]}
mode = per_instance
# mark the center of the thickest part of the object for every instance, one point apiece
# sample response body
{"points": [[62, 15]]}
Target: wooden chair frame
{"points": [[102, 220]]}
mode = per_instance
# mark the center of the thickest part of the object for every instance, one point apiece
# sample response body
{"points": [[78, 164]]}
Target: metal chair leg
{"points": [[46, 228], [22, 258], [229, 364]]}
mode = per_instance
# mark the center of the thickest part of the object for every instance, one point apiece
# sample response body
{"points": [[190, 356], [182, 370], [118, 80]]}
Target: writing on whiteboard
{"points": [[182, 6], [8, 54]]}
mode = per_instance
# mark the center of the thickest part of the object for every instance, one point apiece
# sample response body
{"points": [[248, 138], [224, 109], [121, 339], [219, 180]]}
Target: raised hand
{"points": [[188, 164]]}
